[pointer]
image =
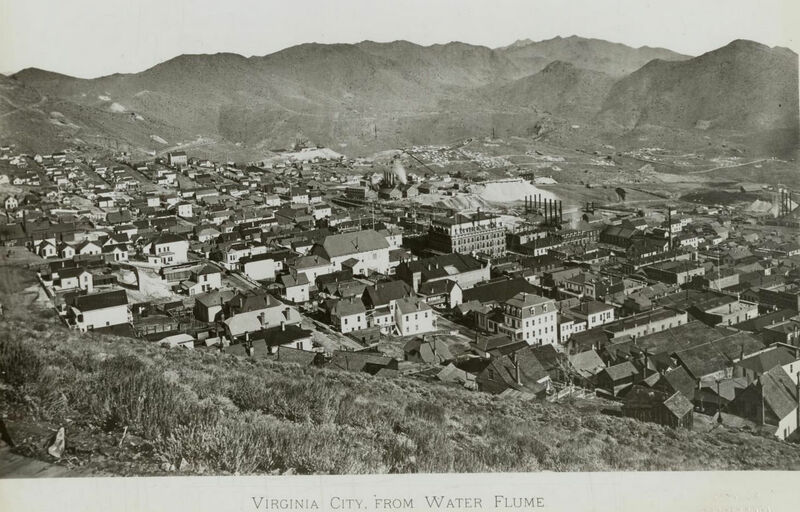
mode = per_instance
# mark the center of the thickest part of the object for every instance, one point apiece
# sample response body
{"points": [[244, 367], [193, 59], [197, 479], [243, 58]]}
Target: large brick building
{"points": [[467, 234]]}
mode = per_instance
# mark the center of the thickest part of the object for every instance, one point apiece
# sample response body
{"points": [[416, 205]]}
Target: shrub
{"points": [[128, 393], [19, 364], [426, 411]]}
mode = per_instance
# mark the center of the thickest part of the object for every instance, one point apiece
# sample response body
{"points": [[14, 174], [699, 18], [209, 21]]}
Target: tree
{"points": [[620, 193]]}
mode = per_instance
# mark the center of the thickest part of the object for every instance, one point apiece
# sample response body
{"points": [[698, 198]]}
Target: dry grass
{"points": [[225, 415]]}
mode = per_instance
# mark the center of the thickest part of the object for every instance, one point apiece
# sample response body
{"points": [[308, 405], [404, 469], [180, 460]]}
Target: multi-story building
{"points": [[530, 318], [466, 234]]}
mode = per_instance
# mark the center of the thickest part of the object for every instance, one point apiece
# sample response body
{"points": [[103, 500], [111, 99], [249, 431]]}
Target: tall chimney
{"points": [[560, 211]]}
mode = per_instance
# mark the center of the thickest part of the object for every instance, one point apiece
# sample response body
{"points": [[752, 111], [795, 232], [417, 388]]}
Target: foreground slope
{"points": [[129, 407]]}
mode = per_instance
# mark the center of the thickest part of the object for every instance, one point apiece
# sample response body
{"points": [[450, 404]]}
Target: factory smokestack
{"points": [[399, 171]]}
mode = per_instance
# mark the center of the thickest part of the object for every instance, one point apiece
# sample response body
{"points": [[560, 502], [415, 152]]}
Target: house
{"points": [[364, 251], [519, 371], [183, 209], [116, 252], [287, 354], [778, 355], [444, 293], [618, 378], [432, 351], [250, 312], [362, 361], [47, 250], [208, 306], [203, 280], [312, 266], [66, 251], [177, 159], [348, 315], [72, 278], [530, 318], [295, 288], [414, 316], [646, 404], [87, 312], [260, 267], [464, 269], [594, 313], [587, 365], [771, 401], [88, 248], [166, 249]]}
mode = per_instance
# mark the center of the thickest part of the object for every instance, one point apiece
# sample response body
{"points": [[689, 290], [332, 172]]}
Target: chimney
{"points": [[283, 325], [517, 376]]}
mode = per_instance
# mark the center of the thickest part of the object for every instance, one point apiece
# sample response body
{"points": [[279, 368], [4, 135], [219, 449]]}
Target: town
{"points": [[679, 313]]}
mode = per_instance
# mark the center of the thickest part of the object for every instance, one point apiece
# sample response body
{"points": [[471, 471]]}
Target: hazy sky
{"points": [[96, 37]]}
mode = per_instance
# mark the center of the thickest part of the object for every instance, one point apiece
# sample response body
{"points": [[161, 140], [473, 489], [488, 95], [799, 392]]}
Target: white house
{"points": [[594, 313], [261, 267], [530, 318], [167, 249], [73, 278], [295, 288], [364, 251], [414, 316], [349, 315], [98, 310], [47, 250], [312, 266], [88, 248], [203, 280]]}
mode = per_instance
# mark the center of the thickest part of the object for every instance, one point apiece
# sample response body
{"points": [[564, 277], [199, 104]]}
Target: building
{"points": [[167, 249], [177, 159], [464, 269], [203, 280], [98, 310], [649, 322], [349, 314], [478, 233], [295, 288], [671, 410], [364, 251], [594, 313], [529, 318], [772, 401], [414, 316], [675, 272]]}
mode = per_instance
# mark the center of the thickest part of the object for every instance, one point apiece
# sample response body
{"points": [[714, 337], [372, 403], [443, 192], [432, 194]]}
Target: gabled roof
{"points": [[290, 281], [779, 391], [366, 361], [383, 293], [348, 307], [355, 242], [774, 356], [408, 305], [100, 300], [621, 371], [679, 380]]}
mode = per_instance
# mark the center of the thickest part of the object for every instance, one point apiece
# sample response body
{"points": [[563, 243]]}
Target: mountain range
{"points": [[371, 96]]}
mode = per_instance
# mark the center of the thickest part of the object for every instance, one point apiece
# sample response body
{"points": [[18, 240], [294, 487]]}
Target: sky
{"points": [[89, 38]]}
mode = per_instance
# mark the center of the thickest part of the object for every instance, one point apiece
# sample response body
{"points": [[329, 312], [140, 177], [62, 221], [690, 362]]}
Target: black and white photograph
{"points": [[299, 244]]}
